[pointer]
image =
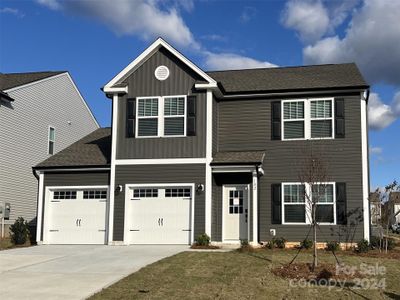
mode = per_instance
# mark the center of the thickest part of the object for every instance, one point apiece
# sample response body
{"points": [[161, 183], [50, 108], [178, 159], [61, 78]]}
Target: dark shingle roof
{"points": [[92, 150], [11, 80], [239, 157], [290, 78]]}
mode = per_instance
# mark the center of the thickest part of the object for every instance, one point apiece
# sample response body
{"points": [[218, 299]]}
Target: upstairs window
{"points": [[51, 141], [174, 116], [307, 119], [293, 120], [147, 117], [321, 118]]}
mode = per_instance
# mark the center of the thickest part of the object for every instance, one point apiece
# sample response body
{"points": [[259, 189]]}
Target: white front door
{"points": [[235, 213], [76, 216], [158, 215]]}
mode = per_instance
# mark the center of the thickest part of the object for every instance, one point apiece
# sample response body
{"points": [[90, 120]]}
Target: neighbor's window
{"points": [[174, 116], [293, 119], [323, 196], [321, 118], [51, 140], [294, 206], [147, 117]]}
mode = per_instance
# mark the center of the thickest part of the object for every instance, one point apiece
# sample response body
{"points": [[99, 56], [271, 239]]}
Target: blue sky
{"points": [[94, 40]]}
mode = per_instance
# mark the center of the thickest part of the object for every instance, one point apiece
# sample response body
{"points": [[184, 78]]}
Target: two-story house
{"points": [[192, 152], [40, 114]]}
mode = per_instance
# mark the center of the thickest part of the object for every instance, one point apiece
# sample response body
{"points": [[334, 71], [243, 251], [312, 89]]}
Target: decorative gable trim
{"points": [[146, 54]]}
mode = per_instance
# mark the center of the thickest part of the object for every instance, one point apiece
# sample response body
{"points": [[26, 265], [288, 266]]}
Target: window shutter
{"points": [[130, 117], [341, 203], [191, 116], [339, 118], [276, 120], [276, 203]]}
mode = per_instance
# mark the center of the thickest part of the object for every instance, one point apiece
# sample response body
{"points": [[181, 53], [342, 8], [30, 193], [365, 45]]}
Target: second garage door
{"points": [[159, 215]]}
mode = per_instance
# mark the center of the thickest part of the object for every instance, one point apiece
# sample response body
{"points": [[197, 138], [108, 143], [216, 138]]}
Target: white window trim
{"points": [[332, 118], [48, 140], [160, 117], [307, 118], [147, 117], [307, 188]]}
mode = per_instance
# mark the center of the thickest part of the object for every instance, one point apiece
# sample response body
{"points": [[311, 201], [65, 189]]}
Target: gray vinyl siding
{"points": [[143, 83], [215, 126], [148, 174], [246, 125], [24, 127], [216, 207], [77, 178]]}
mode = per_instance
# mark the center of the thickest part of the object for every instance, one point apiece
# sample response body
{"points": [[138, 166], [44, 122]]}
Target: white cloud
{"points": [[52, 4], [371, 40], [380, 115], [248, 13], [396, 104], [145, 18], [214, 37], [12, 11], [375, 150], [231, 61], [309, 18]]}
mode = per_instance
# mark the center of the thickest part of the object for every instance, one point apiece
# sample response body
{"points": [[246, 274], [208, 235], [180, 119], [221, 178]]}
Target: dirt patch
{"points": [[209, 247], [304, 271]]}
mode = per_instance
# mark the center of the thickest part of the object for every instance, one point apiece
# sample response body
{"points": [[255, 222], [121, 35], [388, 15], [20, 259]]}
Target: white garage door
{"points": [[77, 216], [159, 215]]}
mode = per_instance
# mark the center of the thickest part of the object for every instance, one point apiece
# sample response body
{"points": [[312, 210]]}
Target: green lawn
{"points": [[235, 275]]}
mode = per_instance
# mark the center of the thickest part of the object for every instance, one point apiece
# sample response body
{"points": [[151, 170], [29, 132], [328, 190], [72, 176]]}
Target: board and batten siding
{"points": [[24, 133], [246, 125], [143, 83], [158, 174]]}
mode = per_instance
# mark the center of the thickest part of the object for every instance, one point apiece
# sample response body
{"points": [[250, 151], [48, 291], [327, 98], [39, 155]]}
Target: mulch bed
{"points": [[304, 271], [204, 247]]}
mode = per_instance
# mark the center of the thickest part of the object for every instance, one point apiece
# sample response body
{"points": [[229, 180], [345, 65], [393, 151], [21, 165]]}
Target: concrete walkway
{"points": [[72, 271]]}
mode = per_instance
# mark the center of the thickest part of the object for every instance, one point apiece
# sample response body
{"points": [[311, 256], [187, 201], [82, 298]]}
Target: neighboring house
{"points": [[394, 206], [193, 152], [40, 114], [375, 208]]}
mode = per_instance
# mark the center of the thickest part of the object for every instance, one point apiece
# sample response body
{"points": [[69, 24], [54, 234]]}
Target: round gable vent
{"points": [[161, 73]]}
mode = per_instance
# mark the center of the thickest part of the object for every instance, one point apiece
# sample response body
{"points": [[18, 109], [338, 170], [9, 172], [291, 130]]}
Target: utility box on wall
{"points": [[7, 210]]}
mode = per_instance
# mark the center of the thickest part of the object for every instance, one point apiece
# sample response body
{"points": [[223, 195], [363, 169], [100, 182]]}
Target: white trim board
{"points": [[208, 175], [160, 161], [128, 187], [146, 54], [365, 168]]}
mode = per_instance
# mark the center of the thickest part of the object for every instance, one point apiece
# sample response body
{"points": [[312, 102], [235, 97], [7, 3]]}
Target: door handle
{"points": [[80, 222], [76, 222], [162, 221], [158, 221]]}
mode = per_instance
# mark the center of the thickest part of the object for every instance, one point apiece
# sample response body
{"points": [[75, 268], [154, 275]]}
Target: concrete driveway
{"points": [[72, 271]]}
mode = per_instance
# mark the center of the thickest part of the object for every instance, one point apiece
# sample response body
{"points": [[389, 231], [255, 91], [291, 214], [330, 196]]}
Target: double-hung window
{"points": [[294, 205], [147, 116], [174, 116], [321, 118], [323, 196], [307, 119], [161, 116], [293, 119]]}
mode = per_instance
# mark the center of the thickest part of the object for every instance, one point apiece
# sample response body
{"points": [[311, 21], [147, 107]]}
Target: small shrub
{"points": [[19, 231], [270, 244], [203, 240], [306, 244], [333, 246], [377, 243], [244, 242], [363, 246], [280, 242]]}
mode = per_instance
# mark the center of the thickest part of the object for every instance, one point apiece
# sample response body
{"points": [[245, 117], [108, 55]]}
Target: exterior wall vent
{"points": [[161, 73]]}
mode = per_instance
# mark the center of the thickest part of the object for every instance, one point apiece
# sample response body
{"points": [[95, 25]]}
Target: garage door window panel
{"points": [[63, 195], [177, 192], [95, 194], [145, 193]]}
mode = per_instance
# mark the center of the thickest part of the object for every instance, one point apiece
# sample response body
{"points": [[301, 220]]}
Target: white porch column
{"points": [[39, 209], [255, 208]]}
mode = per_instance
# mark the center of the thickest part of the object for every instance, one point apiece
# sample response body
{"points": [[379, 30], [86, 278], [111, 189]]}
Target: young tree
{"points": [[314, 176]]}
